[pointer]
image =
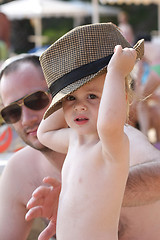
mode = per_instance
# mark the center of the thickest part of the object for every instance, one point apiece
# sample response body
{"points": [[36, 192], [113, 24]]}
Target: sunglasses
{"points": [[35, 101]]}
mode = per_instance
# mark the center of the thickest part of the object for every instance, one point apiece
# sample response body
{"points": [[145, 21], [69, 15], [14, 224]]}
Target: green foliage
{"points": [[143, 19], [1, 120], [20, 32], [53, 35], [54, 28]]}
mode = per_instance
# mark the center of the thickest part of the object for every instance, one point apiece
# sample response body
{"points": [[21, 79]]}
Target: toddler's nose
{"points": [[79, 106]]}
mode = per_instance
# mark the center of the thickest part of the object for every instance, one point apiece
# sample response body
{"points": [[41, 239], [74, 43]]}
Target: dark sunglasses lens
{"points": [[37, 100], [11, 114]]}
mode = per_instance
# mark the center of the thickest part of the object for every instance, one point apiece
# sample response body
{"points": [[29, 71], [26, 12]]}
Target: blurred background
{"points": [[24, 14], [28, 26]]}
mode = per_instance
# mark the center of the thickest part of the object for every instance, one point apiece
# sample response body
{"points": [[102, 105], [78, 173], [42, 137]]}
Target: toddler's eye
{"points": [[70, 98], [92, 96]]}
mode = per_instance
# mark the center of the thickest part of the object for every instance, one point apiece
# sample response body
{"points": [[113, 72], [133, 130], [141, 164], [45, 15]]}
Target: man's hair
{"points": [[13, 63]]}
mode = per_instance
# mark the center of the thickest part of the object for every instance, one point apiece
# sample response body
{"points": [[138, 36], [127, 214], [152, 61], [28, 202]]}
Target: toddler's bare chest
{"points": [[83, 168]]}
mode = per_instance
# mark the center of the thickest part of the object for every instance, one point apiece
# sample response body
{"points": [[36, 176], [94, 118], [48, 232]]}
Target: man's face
{"points": [[25, 80]]}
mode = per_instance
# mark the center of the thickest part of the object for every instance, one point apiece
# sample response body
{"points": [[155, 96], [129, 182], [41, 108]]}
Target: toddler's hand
{"points": [[123, 60]]}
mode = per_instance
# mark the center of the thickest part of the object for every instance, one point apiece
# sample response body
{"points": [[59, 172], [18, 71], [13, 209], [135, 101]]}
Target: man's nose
{"points": [[28, 116]]}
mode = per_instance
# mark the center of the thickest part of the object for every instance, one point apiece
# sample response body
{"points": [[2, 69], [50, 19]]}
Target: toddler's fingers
{"points": [[118, 48], [131, 51]]}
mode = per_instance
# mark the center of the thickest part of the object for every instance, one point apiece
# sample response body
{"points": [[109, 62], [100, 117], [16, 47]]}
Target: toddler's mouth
{"points": [[81, 119]]}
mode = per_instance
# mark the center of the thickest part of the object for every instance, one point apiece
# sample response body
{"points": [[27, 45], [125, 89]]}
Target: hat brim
{"points": [[57, 99]]}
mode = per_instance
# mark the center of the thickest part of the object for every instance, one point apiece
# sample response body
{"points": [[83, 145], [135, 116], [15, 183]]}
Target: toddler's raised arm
{"points": [[53, 132], [113, 106]]}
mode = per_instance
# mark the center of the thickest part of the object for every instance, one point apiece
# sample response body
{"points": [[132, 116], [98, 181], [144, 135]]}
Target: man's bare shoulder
{"points": [[26, 154], [27, 150], [141, 150], [133, 132], [21, 163], [22, 169]]}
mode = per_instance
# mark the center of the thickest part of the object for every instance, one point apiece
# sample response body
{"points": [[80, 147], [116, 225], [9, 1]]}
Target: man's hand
{"points": [[44, 203]]}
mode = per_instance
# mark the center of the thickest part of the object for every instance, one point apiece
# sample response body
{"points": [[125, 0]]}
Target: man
{"points": [[140, 218], [26, 169]]}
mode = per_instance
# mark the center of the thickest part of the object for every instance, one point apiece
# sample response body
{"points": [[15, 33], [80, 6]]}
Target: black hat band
{"points": [[78, 73]]}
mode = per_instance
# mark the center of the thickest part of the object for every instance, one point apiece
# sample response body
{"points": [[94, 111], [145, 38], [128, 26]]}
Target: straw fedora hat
{"points": [[79, 56]]}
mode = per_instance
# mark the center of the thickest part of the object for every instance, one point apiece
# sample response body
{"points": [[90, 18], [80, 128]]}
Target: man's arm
{"points": [[19, 179], [143, 184], [12, 209]]}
